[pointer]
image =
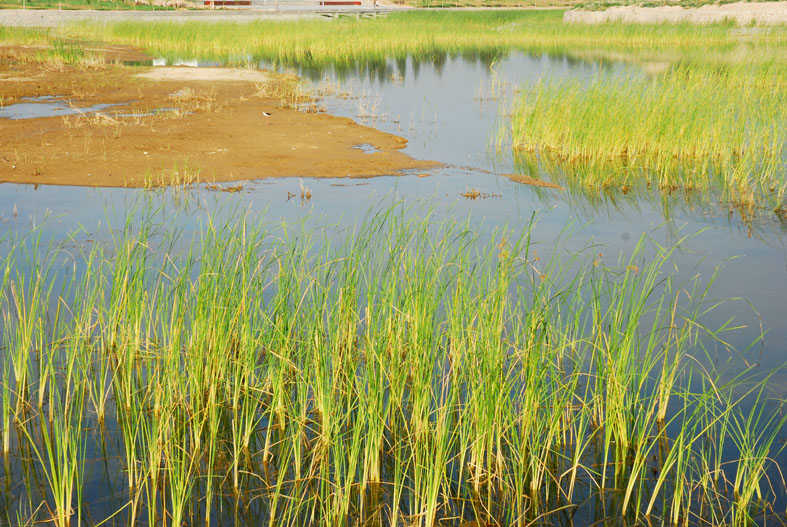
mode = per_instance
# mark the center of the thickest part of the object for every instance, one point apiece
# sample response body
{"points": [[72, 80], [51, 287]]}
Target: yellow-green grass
{"points": [[419, 34], [697, 126], [405, 370]]}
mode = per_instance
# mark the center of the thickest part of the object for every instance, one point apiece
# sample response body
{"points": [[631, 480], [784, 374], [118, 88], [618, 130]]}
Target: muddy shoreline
{"points": [[178, 126]]}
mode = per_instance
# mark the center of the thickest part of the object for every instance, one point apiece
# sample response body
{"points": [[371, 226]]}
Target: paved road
{"points": [[261, 9]]}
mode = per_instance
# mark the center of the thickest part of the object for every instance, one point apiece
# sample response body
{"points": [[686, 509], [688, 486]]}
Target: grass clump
{"points": [[405, 370], [670, 131]]}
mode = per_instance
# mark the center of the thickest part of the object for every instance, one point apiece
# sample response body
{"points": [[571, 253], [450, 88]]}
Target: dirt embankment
{"points": [[177, 126], [768, 13]]}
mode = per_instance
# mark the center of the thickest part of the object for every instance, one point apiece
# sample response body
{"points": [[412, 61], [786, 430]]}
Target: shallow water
{"points": [[448, 110], [46, 106]]}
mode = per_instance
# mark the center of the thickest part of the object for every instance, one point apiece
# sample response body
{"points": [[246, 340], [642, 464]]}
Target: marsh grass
{"points": [[424, 36], [290, 92], [663, 130], [668, 132], [406, 370], [180, 177], [61, 53]]}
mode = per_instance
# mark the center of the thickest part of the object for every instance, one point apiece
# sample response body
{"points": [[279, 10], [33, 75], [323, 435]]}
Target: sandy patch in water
{"points": [[204, 131]]}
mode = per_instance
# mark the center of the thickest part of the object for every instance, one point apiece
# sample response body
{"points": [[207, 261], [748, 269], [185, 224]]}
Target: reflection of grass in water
{"points": [[694, 127], [470, 381]]}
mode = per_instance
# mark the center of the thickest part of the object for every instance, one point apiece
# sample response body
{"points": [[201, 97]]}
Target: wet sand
{"points": [[177, 126]]}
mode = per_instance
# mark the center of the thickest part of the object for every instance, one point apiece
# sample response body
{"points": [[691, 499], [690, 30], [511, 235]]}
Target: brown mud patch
{"points": [[190, 126]]}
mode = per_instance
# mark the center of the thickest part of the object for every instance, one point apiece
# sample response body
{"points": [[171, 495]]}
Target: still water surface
{"points": [[451, 109]]}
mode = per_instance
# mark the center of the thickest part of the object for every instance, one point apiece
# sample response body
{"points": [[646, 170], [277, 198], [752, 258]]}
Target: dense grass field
{"points": [[417, 34]]}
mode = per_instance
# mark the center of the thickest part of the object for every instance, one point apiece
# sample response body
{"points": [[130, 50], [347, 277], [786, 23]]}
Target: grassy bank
{"points": [[400, 372], [416, 34]]}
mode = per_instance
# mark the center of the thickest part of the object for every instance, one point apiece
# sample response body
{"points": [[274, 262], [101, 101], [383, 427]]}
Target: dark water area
{"points": [[449, 109]]}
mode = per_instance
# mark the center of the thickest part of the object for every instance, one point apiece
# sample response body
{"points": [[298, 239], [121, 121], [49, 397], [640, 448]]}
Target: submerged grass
{"points": [[404, 371]]}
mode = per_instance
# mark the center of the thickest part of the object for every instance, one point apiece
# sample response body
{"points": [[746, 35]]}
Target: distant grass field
{"points": [[600, 5], [537, 4], [421, 34]]}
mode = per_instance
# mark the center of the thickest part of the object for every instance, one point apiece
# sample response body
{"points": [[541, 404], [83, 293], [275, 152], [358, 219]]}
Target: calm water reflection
{"points": [[448, 109]]}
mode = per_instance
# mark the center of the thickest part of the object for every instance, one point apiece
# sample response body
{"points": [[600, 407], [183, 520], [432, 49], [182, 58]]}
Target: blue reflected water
{"points": [[449, 109]]}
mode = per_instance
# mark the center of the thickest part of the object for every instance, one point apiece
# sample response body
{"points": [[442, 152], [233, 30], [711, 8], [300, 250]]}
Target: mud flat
{"points": [[768, 13], [133, 127]]}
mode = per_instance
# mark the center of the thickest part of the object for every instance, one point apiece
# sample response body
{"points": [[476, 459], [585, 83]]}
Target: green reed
{"points": [[406, 369], [671, 131], [423, 35]]}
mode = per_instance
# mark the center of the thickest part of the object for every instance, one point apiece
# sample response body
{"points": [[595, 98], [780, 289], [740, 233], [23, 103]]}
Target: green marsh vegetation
{"points": [[420, 34], [695, 127], [661, 130], [404, 371]]}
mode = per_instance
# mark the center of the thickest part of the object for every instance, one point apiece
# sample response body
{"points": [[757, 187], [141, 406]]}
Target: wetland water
{"points": [[449, 110]]}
